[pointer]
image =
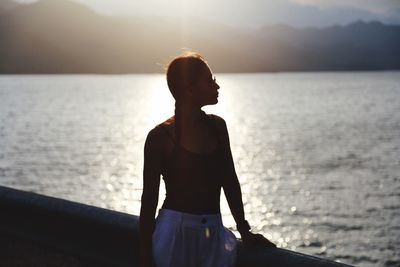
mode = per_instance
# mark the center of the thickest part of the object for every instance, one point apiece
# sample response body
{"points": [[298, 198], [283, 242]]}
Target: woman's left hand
{"points": [[250, 239]]}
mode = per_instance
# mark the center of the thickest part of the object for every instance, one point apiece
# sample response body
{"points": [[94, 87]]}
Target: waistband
{"points": [[188, 219]]}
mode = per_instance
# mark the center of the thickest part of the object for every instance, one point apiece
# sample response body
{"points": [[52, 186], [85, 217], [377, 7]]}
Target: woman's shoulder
{"points": [[219, 121], [220, 126], [164, 124], [161, 131], [217, 118], [157, 140]]}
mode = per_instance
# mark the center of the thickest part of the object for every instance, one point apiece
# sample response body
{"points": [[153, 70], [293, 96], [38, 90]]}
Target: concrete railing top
{"points": [[105, 237]]}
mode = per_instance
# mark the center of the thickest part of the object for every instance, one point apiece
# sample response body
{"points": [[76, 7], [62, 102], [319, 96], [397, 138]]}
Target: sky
{"points": [[256, 13]]}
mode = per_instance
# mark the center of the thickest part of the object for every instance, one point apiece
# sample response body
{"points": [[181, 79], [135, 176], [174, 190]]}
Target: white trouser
{"points": [[191, 240]]}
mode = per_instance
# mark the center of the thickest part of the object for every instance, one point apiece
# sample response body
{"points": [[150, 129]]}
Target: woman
{"points": [[191, 151]]}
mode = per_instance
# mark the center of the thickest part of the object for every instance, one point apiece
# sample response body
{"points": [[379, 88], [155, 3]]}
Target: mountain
{"points": [[62, 36]]}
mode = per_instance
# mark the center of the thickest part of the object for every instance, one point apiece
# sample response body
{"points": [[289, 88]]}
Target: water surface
{"points": [[317, 154]]}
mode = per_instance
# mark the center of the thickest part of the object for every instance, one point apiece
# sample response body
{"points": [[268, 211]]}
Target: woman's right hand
{"points": [[250, 239]]}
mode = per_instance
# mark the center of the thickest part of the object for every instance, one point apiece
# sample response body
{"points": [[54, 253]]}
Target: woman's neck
{"points": [[189, 115]]}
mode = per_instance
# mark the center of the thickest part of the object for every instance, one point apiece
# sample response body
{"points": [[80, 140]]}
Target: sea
{"points": [[317, 154]]}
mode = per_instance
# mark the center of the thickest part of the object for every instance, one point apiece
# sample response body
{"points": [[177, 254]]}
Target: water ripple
{"points": [[317, 154]]}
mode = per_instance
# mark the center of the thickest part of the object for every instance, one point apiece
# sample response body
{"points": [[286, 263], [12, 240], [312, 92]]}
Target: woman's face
{"points": [[205, 90]]}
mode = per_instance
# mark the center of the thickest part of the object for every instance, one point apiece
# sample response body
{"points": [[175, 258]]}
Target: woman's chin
{"points": [[211, 103]]}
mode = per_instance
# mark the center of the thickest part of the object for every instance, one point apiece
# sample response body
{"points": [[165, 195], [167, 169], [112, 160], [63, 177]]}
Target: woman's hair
{"points": [[182, 72]]}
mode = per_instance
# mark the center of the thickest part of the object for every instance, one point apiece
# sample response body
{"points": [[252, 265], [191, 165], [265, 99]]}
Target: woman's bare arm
{"points": [[231, 183], [151, 183], [233, 193]]}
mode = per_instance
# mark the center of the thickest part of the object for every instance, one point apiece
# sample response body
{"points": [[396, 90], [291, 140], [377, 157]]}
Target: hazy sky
{"points": [[255, 13]]}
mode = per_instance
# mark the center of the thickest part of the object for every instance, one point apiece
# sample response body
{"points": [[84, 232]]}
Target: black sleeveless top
{"points": [[193, 180]]}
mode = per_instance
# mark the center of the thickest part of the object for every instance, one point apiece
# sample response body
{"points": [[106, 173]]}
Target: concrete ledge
{"points": [[104, 237], [92, 236]]}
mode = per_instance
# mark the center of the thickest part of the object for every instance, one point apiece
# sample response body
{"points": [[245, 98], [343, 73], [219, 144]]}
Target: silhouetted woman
{"points": [[191, 151]]}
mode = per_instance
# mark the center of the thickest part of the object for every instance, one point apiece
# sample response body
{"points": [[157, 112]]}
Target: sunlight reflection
{"points": [[230, 243], [207, 233], [294, 143], [159, 102]]}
